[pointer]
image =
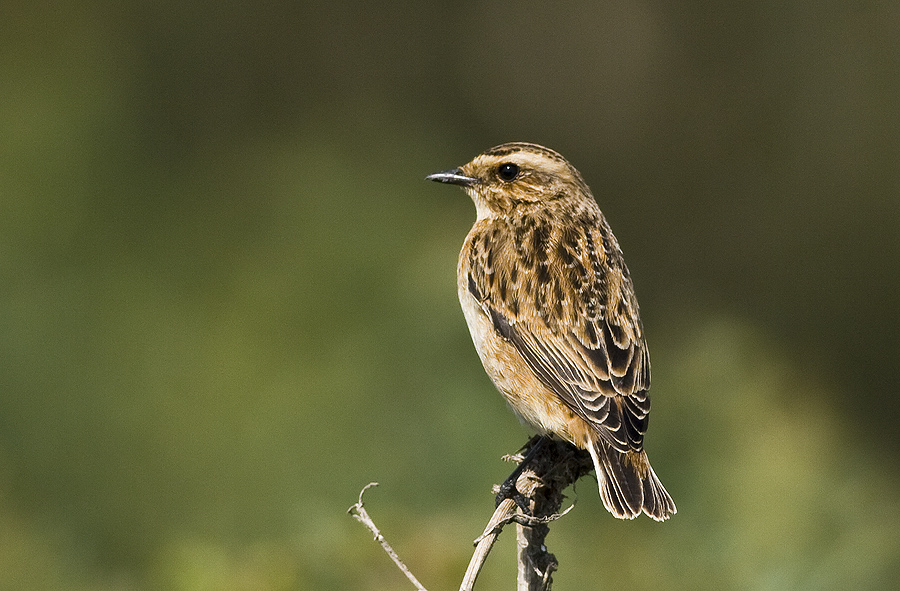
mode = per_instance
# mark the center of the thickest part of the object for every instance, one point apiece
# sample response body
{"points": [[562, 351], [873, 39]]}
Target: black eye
{"points": [[508, 171]]}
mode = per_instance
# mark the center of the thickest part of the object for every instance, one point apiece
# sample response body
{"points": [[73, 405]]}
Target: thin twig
{"points": [[485, 542], [531, 521], [359, 513]]}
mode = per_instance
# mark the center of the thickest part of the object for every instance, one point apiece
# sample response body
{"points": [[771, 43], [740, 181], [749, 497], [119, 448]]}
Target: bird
{"points": [[552, 312]]}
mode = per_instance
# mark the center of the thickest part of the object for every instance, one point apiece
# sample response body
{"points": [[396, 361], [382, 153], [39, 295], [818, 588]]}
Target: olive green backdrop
{"points": [[227, 295]]}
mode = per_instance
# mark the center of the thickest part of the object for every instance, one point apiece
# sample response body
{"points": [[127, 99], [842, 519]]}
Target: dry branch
{"points": [[549, 468]]}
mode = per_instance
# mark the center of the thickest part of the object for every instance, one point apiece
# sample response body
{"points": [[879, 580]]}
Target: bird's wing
{"points": [[571, 312]]}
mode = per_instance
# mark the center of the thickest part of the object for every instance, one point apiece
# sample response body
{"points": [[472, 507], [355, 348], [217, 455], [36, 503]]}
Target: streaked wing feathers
{"points": [[578, 327]]}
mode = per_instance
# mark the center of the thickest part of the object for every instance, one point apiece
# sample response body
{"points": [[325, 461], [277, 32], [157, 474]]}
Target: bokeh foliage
{"points": [[227, 297]]}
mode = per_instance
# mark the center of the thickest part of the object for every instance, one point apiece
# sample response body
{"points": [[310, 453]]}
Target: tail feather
{"points": [[657, 502], [628, 485]]}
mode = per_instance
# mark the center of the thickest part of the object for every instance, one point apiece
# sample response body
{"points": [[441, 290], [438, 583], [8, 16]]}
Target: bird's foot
{"points": [[508, 490]]}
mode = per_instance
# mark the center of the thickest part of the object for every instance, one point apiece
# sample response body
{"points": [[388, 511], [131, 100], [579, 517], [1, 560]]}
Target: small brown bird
{"points": [[552, 311]]}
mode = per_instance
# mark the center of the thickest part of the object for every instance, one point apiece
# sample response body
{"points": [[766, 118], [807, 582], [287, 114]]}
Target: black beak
{"points": [[453, 177]]}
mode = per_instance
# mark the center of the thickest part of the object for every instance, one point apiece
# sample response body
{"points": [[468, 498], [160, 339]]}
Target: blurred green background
{"points": [[228, 299]]}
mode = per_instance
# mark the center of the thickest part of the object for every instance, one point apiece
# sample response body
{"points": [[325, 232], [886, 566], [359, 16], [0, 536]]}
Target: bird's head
{"points": [[516, 175]]}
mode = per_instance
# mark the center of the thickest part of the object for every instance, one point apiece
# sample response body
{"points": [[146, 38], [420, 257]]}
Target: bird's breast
{"points": [[533, 403]]}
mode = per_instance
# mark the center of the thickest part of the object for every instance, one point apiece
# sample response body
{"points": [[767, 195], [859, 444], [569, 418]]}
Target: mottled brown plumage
{"points": [[553, 315]]}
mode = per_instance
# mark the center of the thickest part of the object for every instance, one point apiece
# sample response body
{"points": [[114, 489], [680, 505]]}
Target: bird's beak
{"points": [[453, 177]]}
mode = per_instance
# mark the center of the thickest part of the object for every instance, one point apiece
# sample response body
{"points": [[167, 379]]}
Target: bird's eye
{"points": [[508, 171]]}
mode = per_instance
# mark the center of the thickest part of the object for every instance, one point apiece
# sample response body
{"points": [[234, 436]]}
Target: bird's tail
{"points": [[628, 484]]}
